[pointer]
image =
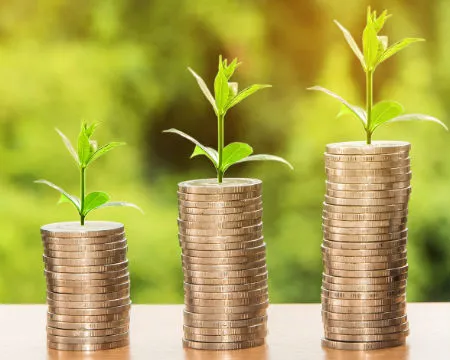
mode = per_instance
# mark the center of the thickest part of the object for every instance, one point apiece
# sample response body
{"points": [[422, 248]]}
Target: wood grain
{"points": [[295, 332]]}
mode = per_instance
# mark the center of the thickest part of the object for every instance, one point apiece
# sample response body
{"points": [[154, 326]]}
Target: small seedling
{"points": [[226, 96], [375, 51], [87, 152]]}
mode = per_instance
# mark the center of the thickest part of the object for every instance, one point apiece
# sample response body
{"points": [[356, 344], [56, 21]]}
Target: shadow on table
{"points": [[256, 353], [395, 353], [122, 353]]}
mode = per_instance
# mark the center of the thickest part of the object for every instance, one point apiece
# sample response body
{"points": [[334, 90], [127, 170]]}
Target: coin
{"points": [[222, 225], [227, 295], [364, 224], [218, 197], [361, 165], [220, 239], [367, 186], [386, 194], [224, 338], [368, 331], [219, 310], [225, 288], [363, 295], [88, 347], [87, 276], [87, 269], [226, 316], [364, 317], [88, 304], [89, 229], [89, 312], [366, 246], [363, 302], [362, 346], [88, 290], [364, 253], [82, 241], [354, 209], [363, 230], [362, 259], [211, 218], [366, 273], [220, 204], [364, 280], [88, 333], [99, 325], [401, 284], [364, 237], [220, 232], [87, 283], [222, 247], [366, 324], [220, 211], [223, 346], [335, 265], [224, 324], [225, 281], [363, 309], [260, 329], [381, 158], [86, 248], [365, 216], [361, 148], [366, 202], [86, 254], [87, 340], [225, 254], [85, 262], [369, 179], [245, 259], [380, 337], [209, 267], [228, 302], [361, 173], [88, 297], [227, 273], [88, 318]]}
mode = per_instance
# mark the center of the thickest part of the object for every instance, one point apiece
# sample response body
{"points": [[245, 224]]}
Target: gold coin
{"points": [[363, 165], [220, 232], [364, 280], [232, 267], [350, 295], [224, 338], [380, 337], [228, 185], [367, 186], [227, 295], [211, 218], [220, 211], [85, 255], [367, 202], [227, 302], [88, 347], [225, 254], [224, 324], [369, 179], [363, 309], [386, 194], [363, 259], [260, 329], [89, 229], [220, 239], [226, 316], [366, 246], [87, 340], [222, 346], [361, 238], [243, 260], [88, 325], [364, 224], [87, 276], [364, 253], [386, 316], [86, 248], [88, 290], [363, 230], [225, 281], [354, 209], [401, 284], [88, 304], [82, 241], [89, 312], [366, 273], [87, 269], [225, 288], [365, 216], [88, 318], [226, 274], [88, 283], [218, 197], [258, 309], [222, 247], [85, 262], [88, 297], [361, 148], [373, 266], [401, 320], [220, 204], [367, 331], [381, 158], [213, 226], [368, 172], [88, 333], [361, 346], [363, 302]]}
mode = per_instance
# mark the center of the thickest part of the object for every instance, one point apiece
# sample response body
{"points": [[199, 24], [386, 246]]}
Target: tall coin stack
{"points": [[88, 285], [224, 264], [364, 245]]}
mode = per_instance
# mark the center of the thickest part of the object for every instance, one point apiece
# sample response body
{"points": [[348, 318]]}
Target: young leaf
{"points": [[234, 152], [221, 91], [359, 112], [120, 203], [212, 152], [370, 47], [379, 22], [69, 146], [208, 152], [64, 199], [72, 199], [244, 94], [84, 147], [395, 48], [384, 111], [352, 43], [265, 157], [418, 117], [94, 200], [103, 150], [204, 88]]}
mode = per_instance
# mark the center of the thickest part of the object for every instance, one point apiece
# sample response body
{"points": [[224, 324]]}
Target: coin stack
{"points": [[224, 264], [88, 285], [364, 245]]}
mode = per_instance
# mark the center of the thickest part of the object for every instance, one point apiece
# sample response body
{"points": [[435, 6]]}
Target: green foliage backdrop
{"points": [[124, 63]]}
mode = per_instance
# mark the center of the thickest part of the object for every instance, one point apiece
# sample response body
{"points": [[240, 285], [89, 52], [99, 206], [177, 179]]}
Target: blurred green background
{"points": [[124, 63]]}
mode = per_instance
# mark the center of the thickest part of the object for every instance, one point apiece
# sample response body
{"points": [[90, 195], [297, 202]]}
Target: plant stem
{"points": [[369, 104], [82, 190], [220, 145]]}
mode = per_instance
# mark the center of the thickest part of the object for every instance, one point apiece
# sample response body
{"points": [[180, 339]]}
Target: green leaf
{"points": [[103, 150], [221, 91], [94, 200], [71, 198], [352, 43], [379, 22], [211, 152], [204, 89], [384, 111], [120, 203], [356, 110], [69, 146], [370, 47], [418, 117], [265, 157], [211, 156], [245, 94], [64, 199], [234, 152], [84, 146], [395, 48]]}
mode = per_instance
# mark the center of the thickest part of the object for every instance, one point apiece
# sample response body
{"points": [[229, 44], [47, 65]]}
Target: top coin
{"points": [[228, 186], [361, 148], [89, 229]]}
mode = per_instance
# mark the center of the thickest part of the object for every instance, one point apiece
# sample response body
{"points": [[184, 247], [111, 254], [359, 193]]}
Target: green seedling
{"points": [[226, 96], [376, 50], [87, 152]]}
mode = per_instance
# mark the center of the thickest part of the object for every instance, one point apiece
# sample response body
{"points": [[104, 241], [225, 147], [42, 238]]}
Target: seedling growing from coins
{"points": [[376, 50], [226, 96], [87, 152]]}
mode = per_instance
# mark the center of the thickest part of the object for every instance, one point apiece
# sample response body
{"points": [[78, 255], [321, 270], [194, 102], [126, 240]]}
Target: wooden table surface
{"points": [[156, 330]]}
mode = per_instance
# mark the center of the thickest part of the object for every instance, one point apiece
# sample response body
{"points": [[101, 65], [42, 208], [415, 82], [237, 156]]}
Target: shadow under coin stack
{"points": [[88, 286], [224, 264], [364, 245]]}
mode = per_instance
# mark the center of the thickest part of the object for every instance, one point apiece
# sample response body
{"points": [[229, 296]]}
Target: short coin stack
{"points": [[224, 264], [88, 285], [364, 245]]}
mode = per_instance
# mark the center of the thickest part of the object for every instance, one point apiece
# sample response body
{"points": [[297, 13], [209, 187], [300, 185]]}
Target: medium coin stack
{"points": [[88, 285], [224, 264], [364, 245]]}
